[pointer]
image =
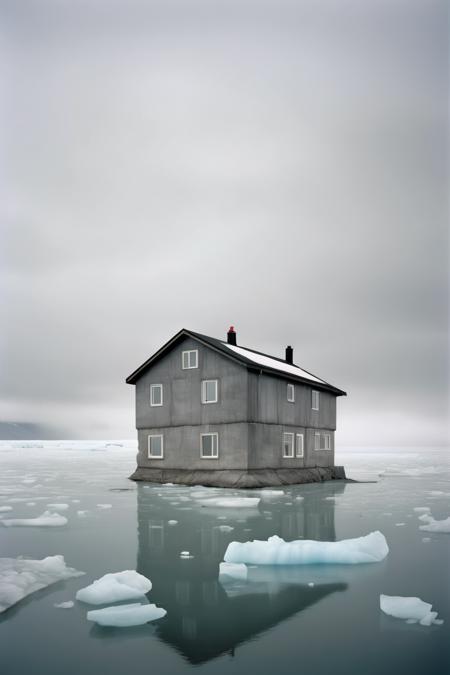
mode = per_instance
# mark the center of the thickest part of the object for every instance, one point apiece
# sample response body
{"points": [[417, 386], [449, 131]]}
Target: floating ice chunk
{"points": [[272, 493], [426, 539], [299, 498], [58, 507], [123, 616], [422, 509], [31, 503], [104, 506], [75, 501], [433, 525], [232, 502], [225, 528], [20, 577], [47, 519], [5, 508], [410, 609], [64, 605], [233, 570], [113, 587], [276, 551], [311, 583], [81, 514], [185, 555], [399, 524], [172, 522]]}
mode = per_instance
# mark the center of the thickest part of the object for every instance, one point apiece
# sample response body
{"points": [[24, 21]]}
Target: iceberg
{"points": [[413, 610], [123, 616], [20, 577], [114, 587], [275, 551], [47, 519]]}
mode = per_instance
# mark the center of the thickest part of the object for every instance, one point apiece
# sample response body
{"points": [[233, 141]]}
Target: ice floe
{"points": [[123, 616], [172, 522], [114, 587], [422, 509], [230, 502], [5, 508], [20, 577], [104, 506], [233, 570], [47, 519], [413, 610], [275, 551], [58, 507], [64, 605], [432, 525]]}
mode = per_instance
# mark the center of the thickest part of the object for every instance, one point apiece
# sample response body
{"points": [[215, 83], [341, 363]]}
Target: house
{"points": [[211, 412]]}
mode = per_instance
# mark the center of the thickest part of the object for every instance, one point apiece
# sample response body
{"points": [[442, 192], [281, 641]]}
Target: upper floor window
{"points": [[156, 394], [155, 446], [315, 400], [288, 444], [291, 393], [209, 446], [210, 391], [189, 359]]}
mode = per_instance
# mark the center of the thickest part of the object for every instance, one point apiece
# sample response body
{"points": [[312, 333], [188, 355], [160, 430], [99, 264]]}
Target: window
{"points": [[156, 394], [325, 442], [209, 391], [316, 441], [155, 447], [291, 393], [299, 445], [189, 359], [315, 400], [209, 446], [288, 445]]}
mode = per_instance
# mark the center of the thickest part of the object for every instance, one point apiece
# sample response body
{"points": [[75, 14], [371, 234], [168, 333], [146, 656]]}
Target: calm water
{"points": [[274, 623]]}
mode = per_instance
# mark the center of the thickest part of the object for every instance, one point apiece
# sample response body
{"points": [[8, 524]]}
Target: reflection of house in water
{"points": [[206, 618]]}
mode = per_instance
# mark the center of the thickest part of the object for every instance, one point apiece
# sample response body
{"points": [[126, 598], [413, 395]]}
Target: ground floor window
{"points": [[299, 445], [316, 441], [288, 444], [325, 443], [209, 445], [155, 446]]}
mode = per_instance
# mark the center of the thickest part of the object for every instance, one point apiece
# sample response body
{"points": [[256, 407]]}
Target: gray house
{"points": [[213, 413]]}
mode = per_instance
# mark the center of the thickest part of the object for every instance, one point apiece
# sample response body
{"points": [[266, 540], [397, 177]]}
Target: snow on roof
{"points": [[268, 362]]}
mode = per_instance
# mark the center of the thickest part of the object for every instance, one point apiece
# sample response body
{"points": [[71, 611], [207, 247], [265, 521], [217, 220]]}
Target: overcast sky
{"points": [[279, 165]]}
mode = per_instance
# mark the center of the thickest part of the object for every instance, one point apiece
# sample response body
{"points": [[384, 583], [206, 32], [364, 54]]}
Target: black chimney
{"points": [[289, 354], [231, 336]]}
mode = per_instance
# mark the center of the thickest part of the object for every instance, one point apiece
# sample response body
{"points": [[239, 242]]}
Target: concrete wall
{"points": [[268, 404], [182, 447], [266, 447]]}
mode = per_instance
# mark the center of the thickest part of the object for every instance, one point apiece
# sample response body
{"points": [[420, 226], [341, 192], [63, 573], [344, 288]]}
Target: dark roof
{"points": [[250, 358]]}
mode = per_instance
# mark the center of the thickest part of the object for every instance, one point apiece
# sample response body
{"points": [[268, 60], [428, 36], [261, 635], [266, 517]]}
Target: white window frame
{"points": [[326, 442], [150, 436], [316, 441], [152, 389], [291, 393], [292, 444], [204, 389], [314, 394], [210, 433], [299, 445], [189, 352]]}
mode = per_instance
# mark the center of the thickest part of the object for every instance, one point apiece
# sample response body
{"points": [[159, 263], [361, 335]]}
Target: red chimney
{"points": [[231, 336]]}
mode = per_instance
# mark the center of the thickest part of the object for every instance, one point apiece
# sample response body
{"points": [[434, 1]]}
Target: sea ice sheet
{"points": [[114, 587], [20, 577], [276, 551]]}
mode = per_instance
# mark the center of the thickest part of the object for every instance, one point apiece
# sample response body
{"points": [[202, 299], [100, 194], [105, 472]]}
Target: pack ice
{"points": [[122, 616], [20, 577], [275, 551], [414, 610], [114, 587], [47, 519]]}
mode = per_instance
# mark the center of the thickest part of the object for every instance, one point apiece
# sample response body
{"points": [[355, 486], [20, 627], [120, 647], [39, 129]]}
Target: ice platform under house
{"points": [[210, 412]]}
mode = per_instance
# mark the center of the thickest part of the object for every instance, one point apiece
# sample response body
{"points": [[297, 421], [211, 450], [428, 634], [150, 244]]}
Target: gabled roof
{"points": [[250, 358]]}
